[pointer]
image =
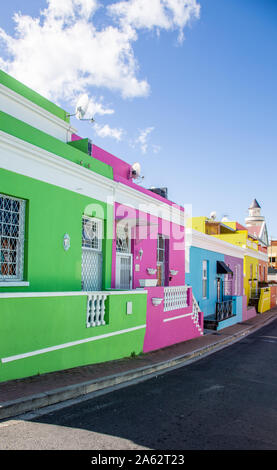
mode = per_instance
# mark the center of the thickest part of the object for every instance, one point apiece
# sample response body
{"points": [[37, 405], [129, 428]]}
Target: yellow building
{"points": [[234, 233]]}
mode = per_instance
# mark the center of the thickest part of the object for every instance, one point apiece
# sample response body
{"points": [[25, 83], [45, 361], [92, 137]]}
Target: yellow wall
{"points": [[264, 302], [250, 279], [196, 223]]}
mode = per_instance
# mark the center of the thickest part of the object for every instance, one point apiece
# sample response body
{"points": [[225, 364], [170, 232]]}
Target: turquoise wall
{"points": [[194, 278]]}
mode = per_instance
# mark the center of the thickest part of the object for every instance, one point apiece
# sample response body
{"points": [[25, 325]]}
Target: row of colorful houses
{"points": [[94, 267]]}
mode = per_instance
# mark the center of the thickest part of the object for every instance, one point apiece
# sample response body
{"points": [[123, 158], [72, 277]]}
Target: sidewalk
{"points": [[33, 393]]}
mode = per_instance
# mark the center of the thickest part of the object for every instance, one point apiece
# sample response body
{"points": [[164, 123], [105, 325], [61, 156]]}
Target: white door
{"points": [[124, 271], [91, 254], [124, 258]]}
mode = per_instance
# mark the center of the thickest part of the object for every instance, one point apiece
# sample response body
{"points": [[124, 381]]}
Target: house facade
{"points": [[91, 263], [214, 269]]}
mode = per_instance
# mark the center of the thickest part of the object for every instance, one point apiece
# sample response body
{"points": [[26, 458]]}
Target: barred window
{"points": [[12, 228], [92, 233], [123, 238]]}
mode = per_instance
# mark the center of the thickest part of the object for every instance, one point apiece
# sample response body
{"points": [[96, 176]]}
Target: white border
{"points": [[210, 243], [179, 316], [29, 160], [11, 295], [4, 360]]}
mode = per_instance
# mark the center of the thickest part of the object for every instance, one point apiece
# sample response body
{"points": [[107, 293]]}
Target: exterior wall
{"points": [[247, 312], [52, 212], [167, 328], [145, 238], [234, 263], [250, 280], [194, 278], [59, 337], [273, 298], [42, 140], [264, 300], [263, 268]]}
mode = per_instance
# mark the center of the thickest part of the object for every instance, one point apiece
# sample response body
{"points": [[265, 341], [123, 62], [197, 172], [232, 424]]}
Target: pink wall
{"points": [[159, 333], [247, 312], [145, 238], [121, 171]]}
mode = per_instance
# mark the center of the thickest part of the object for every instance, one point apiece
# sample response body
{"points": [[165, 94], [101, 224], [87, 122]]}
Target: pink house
{"points": [[148, 252]]}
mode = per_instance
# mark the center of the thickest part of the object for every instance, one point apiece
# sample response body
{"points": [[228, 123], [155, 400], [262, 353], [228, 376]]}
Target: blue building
{"points": [[214, 269]]}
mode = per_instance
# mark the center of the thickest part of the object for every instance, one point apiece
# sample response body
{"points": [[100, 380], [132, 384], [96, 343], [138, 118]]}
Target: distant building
{"points": [[255, 223], [272, 254]]}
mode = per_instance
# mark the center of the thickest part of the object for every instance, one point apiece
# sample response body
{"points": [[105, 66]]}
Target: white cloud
{"points": [[142, 139], [156, 14], [62, 54], [107, 131]]}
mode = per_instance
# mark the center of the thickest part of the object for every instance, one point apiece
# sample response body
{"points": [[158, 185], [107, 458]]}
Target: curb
{"points": [[33, 403]]}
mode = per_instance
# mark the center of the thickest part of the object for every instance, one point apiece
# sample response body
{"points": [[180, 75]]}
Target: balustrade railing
{"points": [[175, 297], [96, 309]]}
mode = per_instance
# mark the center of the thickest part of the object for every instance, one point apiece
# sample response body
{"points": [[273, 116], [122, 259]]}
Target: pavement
{"points": [[39, 393]]}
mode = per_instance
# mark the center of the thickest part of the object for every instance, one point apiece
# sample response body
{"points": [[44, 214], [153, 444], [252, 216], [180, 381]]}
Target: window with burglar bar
{"points": [[12, 231], [92, 231]]}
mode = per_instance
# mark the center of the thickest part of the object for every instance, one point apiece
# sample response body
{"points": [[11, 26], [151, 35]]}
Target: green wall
{"points": [[30, 324], [31, 95], [40, 139], [52, 212]]}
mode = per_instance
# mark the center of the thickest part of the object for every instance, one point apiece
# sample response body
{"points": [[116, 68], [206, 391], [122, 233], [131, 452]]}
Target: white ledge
{"points": [[5, 295], [14, 284]]}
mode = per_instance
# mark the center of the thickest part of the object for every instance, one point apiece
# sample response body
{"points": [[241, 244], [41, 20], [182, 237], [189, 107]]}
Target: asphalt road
{"points": [[226, 401]]}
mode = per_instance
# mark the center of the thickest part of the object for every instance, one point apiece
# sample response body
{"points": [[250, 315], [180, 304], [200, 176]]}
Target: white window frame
{"points": [[205, 278], [11, 245]]}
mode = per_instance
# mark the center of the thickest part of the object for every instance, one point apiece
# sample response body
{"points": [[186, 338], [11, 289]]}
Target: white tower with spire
{"points": [[255, 217], [255, 223]]}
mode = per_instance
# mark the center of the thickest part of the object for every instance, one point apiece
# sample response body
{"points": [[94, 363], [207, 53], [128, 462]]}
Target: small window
{"points": [[161, 249], [12, 231], [92, 233], [205, 279], [123, 242]]}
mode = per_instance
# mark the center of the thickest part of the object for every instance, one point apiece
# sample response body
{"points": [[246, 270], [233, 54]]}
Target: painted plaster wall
{"points": [[264, 300], [248, 261], [52, 212], [55, 321], [145, 238], [234, 263], [32, 96], [160, 332], [194, 278], [273, 298], [40, 139]]}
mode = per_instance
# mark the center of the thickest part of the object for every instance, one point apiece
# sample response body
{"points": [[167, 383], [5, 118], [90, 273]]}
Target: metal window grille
{"points": [[92, 233], [122, 239], [12, 231], [91, 254]]}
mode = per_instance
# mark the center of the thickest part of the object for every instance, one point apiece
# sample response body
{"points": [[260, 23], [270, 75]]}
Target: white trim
{"points": [[67, 345], [22, 108], [29, 160], [11, 295], [179, 316], [210, 243], [14, 284]]}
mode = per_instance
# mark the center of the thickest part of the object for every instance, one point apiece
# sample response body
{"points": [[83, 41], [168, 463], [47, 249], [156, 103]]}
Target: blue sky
{"points": [[193, 101]]}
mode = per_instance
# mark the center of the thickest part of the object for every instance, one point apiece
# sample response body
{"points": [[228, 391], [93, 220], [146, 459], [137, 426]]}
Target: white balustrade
{"points": [[175, 297], [96, 309]]}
